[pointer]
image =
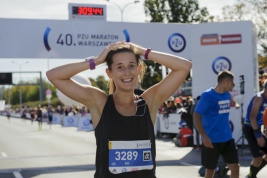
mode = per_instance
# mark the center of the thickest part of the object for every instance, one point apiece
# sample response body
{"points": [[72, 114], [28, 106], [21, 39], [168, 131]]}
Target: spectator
{"points": [[170, 107], [184, 137], [195, 129], [8, 112], [32, 114], [40, 117], [211, 117], [50, 116]]}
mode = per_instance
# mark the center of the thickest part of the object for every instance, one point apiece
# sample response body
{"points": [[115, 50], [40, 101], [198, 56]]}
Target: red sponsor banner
{"points": [[228, 39], [210, 41], [213, 39]]}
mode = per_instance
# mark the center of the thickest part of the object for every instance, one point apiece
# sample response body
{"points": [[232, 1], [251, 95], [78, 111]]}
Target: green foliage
{"points": [[31, 93], [256, 11], [153, 74], [155, 9], [177, 11], [93, 82], [102, 83], [262, 61], [28, 92]]}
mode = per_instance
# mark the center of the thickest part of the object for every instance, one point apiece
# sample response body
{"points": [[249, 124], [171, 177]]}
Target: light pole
{"points": [[20, 96], [122, 9]]}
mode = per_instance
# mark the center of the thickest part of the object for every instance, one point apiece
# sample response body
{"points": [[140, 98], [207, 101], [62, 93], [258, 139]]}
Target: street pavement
{"points": [[60, 152]]}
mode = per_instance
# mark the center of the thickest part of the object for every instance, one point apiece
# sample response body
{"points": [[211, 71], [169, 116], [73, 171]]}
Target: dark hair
{"points": [[122, 49], [225, 74]]}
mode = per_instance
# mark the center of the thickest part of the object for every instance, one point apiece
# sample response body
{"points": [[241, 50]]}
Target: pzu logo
{"points": [[70, 120], [86, 122], [176, 42], [221, 63]]}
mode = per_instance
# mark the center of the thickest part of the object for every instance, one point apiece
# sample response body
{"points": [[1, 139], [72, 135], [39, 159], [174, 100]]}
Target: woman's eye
{"points": [[131, 66], [120, 68]]}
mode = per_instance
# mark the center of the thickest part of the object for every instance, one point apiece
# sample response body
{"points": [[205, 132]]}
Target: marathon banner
{"points": [[85, 124], [31, 38], [70, 121], [56, 119]]}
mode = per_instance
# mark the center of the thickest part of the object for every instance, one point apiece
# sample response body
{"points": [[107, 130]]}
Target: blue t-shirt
{"points": [[260, 112], [214, 109]]}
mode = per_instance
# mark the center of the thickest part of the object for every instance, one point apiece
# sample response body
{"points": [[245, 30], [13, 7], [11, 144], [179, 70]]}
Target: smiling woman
{"points": [[123, 120]]}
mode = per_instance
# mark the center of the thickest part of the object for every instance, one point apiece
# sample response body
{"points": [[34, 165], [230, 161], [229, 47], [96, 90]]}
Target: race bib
{"points": [[128, 156]]}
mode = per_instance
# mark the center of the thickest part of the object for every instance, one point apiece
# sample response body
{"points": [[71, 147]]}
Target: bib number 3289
{"points": [[128, 156]]}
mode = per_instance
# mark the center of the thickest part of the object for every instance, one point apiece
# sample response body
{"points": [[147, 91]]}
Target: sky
{"points": [[58, 10]]}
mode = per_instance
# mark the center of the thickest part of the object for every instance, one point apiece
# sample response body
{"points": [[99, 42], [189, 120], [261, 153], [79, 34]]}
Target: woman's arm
{"points": [[93, 98], [160, 92]]}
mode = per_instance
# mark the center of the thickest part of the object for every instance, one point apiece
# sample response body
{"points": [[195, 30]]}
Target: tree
{"points": [[102, 83], [256, 11], [177, 11], [262, 61], [30, 92], [152, 75], [93, 82], [155, 9]]}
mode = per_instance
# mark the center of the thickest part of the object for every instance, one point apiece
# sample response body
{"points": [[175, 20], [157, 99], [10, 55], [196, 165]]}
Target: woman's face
{"points": [[124, 70]]}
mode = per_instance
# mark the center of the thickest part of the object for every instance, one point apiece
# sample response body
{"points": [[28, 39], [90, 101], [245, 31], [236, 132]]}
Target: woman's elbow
{"points": [[49, 75], [188, 65]]}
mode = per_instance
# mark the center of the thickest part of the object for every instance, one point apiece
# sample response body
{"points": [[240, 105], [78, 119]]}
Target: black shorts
{"points": [[255, 149], [50, 119], [228, 151]]}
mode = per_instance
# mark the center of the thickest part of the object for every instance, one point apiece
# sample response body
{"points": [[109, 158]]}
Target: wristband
{"points": [[91, 62], [147, 52], [257, 133]]}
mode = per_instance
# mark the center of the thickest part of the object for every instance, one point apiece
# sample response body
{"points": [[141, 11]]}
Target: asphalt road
{"points": [[64, 152]]}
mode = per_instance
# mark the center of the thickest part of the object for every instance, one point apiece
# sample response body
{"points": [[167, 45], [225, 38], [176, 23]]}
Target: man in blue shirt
{"points": [[252, 130], [211, 118]]}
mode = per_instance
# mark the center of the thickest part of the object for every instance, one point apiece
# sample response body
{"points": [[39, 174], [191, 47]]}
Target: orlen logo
{"points": [[209, 39], [176, 42], [213, 39], [221, 63], [86, 122]]}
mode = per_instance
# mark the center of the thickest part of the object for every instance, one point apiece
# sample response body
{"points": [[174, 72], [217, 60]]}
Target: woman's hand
{"points": [[141, 50], [103, 55]]}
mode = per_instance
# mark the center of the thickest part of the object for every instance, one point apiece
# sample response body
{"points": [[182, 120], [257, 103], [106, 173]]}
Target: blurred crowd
{"points": [[181, 105], [62, 110]]}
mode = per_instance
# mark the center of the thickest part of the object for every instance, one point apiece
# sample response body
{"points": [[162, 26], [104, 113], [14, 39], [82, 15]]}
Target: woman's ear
{"points": [[108, 73]]}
